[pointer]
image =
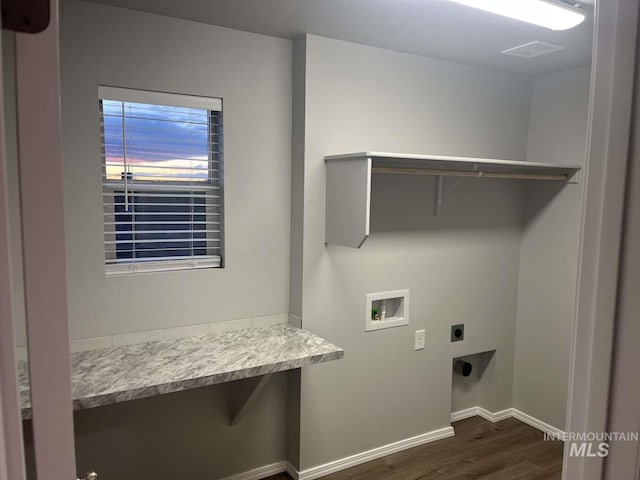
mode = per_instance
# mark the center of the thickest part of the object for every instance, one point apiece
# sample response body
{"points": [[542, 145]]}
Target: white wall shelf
{"points": [[349, 183]]}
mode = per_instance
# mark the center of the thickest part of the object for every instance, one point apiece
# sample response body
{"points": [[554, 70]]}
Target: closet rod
{"points": [[477, 174]]}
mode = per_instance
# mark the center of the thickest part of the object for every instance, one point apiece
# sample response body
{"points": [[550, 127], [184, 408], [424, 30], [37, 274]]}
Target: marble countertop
{"points": [[118, 374]]}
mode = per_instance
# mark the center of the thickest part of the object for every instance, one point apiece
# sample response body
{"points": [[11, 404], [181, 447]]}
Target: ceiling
{"points": [[432, 28]]}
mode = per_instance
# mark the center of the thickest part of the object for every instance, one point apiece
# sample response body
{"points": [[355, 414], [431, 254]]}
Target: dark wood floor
{"points": [[506, 450]]}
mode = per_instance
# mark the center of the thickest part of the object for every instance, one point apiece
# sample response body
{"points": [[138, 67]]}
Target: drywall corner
{"points": [[297, 173]]}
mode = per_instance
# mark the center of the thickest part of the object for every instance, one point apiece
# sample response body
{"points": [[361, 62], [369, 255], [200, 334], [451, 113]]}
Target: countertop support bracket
{"points": [[239, 408]]}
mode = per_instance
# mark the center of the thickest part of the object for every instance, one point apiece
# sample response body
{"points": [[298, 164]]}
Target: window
{"points": [[162, 172]]}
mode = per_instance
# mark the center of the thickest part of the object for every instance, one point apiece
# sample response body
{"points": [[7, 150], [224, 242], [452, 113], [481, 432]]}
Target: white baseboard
{"points": [[539, 424], [481, 412], [261, 472], [293, 473], [367, 456], [504, 414]]}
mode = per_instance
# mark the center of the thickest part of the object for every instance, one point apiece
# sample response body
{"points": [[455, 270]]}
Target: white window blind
{"points": [[162, 177]]}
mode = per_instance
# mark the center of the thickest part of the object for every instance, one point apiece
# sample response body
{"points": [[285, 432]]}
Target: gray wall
{"points": [[549, 252], [109, 46], [460, 267], [183, 435]]}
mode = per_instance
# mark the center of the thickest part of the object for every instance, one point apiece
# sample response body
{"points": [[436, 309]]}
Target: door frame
{"points": [[44, 262], [612, 75], [624, 457]]}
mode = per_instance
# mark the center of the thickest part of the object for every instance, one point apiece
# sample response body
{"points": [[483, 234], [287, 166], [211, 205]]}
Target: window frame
{"points": [[110, 188]]}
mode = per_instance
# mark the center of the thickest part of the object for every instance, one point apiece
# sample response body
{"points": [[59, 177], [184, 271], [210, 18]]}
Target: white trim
{"points": [[539, 424], [261, 472], [623, 458], [367, 225], [503, 415], [445, 158], [367, 456], [482, 412], [464, 414], [141, 266], [610, 101], [44, 263], [293, 473], [159, 98]]}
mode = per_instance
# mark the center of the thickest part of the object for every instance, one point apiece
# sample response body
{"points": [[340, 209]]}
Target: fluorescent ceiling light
{"points": [[552, 15]]}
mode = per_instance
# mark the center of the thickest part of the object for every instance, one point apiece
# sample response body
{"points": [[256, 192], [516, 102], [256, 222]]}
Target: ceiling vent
{"points": [[532, 49]]}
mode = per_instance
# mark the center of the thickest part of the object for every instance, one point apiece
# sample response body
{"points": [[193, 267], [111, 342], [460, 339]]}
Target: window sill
{"points": [[128, 268]]}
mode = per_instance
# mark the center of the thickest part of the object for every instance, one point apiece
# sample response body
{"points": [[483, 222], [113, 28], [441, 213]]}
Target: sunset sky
{"points": [[162, 142]]}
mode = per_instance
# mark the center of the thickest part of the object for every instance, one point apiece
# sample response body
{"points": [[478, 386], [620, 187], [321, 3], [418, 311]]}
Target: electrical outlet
{"points": [[419, 340], [457, 332]]}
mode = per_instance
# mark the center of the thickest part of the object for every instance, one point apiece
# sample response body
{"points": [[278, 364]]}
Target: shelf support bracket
{"points": [[239, 409], [439, 194]]}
